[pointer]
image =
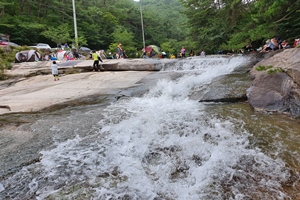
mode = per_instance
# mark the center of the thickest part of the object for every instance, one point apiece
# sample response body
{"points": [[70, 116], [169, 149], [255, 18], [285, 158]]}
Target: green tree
{"points": [[29, 22], [234, 23], [59, 34], [126, 38]]}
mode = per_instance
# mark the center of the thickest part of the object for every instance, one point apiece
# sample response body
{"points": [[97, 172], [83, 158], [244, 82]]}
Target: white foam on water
{"points": [[162, 146], [208, 63], [1, 187]]}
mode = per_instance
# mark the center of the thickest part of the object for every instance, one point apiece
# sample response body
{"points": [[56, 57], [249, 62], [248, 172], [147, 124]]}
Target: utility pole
{"points": [[142, 26], [142, 23], [75, 25]]}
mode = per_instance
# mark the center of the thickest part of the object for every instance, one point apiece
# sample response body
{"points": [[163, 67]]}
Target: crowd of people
{"points": [[271, 45], [182, 54], [275, 43], [120, 53], [96, 57]]}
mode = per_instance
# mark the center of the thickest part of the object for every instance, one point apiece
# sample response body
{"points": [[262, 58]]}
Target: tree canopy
{"points": [[100, 23], [170, 24], [231, 24]]}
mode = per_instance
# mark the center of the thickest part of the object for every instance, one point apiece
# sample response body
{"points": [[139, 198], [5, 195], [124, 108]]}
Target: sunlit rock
{"points": [[276, 83]]}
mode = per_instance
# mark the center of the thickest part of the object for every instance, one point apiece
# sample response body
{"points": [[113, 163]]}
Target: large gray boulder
{"points": [[229, 88], [276, 88]]}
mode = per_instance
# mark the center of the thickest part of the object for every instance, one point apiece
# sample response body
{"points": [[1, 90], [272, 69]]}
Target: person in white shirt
{"points": [[202, 53], [54, 69]]}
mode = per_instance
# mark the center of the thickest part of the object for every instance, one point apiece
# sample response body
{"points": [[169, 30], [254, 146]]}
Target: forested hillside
{"points": [[170, 24], [100, 23], [231, 24]]}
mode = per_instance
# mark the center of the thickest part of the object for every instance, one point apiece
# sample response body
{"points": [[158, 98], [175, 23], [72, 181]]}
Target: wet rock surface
{"points": [[14, 128], [20, 144], [229, 88], [275, 83]]}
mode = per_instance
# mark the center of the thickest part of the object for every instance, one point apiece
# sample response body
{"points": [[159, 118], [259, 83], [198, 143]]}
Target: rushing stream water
{"points": [[162, 145]]}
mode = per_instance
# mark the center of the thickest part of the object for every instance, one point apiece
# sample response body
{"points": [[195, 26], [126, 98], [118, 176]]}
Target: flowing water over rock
{"points": [[159, 145]]}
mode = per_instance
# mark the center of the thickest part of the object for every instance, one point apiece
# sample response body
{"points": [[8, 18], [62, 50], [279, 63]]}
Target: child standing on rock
{"points": [[54, 68]]}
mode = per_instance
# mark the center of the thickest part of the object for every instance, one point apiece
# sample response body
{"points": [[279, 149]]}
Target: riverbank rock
{"points": [[28, 69], [31, 88], [275, 85], [231, 87]]}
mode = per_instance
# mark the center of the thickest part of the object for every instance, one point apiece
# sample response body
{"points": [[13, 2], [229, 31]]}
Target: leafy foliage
{"points": [[58, 34], [126, 39], [232, 24], [269, 69], [263, 68], [275, 70], [7, 57], [195, 24], [98, 22]]}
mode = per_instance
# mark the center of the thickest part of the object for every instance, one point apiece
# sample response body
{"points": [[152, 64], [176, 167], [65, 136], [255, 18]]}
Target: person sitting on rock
{"points": [[284, 44], [266, 47], [296, 42], [274, 44]]}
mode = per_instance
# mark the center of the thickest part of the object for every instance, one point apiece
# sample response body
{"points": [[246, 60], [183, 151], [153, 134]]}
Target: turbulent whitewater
{"points": [[162, 145]]}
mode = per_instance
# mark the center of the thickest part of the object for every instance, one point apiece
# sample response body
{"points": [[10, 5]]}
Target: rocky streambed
{"points": [[24, 135]]}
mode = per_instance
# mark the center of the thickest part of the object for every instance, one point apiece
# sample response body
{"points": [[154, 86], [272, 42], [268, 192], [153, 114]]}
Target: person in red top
{"points": [[296, 42]]}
